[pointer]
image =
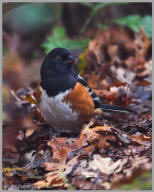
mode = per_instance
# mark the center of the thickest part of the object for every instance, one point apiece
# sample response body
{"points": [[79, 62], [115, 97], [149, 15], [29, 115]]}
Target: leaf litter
{"points": [[111, 149]]}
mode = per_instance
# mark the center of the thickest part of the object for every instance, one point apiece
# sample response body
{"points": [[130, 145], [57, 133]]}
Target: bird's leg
{"points": [[59, 132], [103, 117]]}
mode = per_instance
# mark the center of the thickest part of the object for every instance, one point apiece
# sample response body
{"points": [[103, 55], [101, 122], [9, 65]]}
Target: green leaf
{"points": [[60, 39], [59, 32], [147, 25], [135, 22], [83, 61], [132, 21], [27, 17], [94, 10], [102, 5], [101, 26], [144, 182], [88, 4]]}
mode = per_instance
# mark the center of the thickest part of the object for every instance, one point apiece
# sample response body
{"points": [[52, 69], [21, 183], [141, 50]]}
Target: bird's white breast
{"points": [[58, 113]]}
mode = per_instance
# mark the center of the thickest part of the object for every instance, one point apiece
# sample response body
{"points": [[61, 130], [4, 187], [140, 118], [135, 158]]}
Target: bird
{"points": [[67, 102]]}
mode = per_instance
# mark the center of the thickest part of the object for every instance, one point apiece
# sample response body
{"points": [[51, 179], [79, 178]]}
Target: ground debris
{"points": [[109, 151]]}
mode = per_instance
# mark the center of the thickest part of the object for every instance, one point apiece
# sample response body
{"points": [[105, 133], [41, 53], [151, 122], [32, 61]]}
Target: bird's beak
{"points": [[72, 60]]}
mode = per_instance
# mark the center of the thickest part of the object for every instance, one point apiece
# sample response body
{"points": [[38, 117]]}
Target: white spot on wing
{"points": [[94, 96]]}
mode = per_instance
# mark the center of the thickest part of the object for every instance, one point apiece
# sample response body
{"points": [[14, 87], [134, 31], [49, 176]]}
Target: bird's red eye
{"points": [[58, 57]]}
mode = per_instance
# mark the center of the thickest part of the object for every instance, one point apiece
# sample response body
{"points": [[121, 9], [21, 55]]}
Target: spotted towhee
{"points": [[66, 100]]}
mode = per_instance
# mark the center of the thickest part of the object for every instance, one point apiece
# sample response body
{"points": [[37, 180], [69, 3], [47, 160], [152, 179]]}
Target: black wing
{"points": [[96, 99], [99, 104]]}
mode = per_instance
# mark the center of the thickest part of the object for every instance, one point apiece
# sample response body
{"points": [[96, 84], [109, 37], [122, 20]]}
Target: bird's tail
{"points": [[110, 108]]}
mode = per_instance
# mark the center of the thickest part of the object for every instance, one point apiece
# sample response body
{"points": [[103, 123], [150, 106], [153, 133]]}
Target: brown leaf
{"points": [[61, 148], [30, 98], [37, 93], [30, 131], [98, 136], [141, 138], [41, 184]]}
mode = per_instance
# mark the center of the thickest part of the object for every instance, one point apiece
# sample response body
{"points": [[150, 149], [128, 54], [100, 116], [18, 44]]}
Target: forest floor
{"points": [[114, 152]]}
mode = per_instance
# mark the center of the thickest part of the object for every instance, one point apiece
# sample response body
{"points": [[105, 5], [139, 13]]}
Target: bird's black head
{"points": [[58, 62], [57, 73], [61, 56]]}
